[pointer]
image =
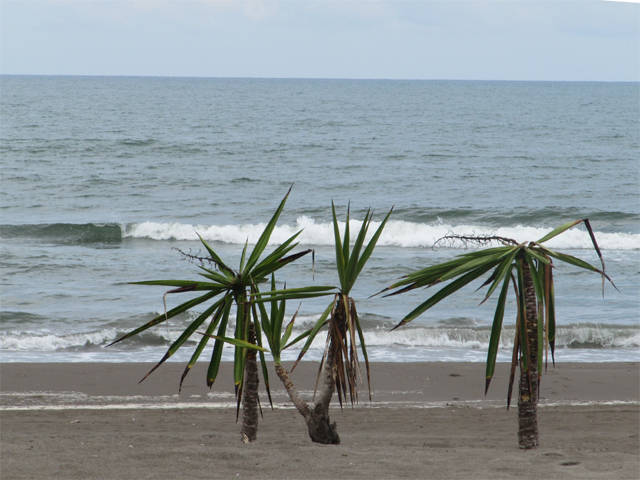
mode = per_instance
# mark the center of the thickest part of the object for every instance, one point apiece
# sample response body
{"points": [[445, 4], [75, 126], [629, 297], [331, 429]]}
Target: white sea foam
{"points": [[577, 336], [586, 336], [32, 341], [398, 233], [71, 402]]}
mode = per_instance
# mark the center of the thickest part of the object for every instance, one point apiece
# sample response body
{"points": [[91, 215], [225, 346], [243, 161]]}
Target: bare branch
{"points": [[196, 258], [451, 238]]}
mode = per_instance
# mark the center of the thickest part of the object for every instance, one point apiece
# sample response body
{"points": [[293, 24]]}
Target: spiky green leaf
{"points": [[313, 333], [340, 262], [366, 254], [504, 268], [496, 328], [263, 241], [351, 265], [195, 286], [216, 259], [203, 343], [237, 343], [474, 263], [446, 291], [557, 231], [170, 314], [186, 334], [216, 354]]}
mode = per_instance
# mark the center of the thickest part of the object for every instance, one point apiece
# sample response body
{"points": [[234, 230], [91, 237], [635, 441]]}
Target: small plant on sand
{"points": [[528, 266], [339, 367], [227, 287]]}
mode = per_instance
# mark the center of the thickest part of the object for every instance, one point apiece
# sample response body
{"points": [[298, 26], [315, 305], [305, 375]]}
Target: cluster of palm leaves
{"points": [[527, 266], [534, 256], [226, 287], [345, 323], [532, 281], [339, 365]]}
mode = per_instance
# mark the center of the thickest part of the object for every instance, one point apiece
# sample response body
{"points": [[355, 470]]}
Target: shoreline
{"points": [[93, 421], [409, 383]]}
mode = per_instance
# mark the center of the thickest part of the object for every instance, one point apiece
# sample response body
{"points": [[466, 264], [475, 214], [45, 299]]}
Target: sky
{"points": [[368, 39]]}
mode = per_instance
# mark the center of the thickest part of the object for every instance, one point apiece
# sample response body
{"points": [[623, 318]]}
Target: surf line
{"points": [[478, 404]]}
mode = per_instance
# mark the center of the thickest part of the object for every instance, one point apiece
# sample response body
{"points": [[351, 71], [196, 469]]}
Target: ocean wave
{"points": [[577, 336], [65, 233], [398, 233], [583, 335], [34, 341], [501, 216]]}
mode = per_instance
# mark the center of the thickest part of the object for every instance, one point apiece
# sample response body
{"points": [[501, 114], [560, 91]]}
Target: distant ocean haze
{"points": [[103, 176]]}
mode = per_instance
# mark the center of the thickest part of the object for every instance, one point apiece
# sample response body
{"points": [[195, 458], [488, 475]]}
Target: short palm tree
{"points": [[339, 367], [226, 287], [534, 291]]}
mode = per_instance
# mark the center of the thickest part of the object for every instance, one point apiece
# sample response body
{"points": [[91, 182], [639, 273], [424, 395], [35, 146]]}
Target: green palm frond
{"points": [[272, 324], [351, 263], [228, 287], [343, 319], [469, 266]]}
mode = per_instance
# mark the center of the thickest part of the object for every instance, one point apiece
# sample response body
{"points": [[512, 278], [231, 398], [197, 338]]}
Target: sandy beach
{"points": [[426, 420]]}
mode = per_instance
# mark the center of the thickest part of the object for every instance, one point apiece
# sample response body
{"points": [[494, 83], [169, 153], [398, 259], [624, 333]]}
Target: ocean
{"points": [[104, 177]]}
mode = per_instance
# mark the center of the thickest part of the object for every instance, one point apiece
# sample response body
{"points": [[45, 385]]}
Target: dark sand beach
{"points": [[426, 420]]}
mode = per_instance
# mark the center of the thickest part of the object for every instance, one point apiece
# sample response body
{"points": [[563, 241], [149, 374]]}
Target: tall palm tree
{"points": [[226, 287], [339, 367], [534, 291]]}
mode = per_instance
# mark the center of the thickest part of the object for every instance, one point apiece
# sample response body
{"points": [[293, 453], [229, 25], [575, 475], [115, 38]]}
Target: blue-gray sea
{"points": [[102, 177]]}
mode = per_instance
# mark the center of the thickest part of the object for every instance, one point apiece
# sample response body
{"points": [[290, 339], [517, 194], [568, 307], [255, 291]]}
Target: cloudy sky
{"points": [[391, 39]]}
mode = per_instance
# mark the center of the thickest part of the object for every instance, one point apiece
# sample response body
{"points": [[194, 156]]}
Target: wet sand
{"points": [[426, 420]]}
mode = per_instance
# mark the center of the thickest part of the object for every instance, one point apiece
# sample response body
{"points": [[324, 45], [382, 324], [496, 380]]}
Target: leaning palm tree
{"points": [[339, 366], [321, 430], [534, 292], [226, 287]]}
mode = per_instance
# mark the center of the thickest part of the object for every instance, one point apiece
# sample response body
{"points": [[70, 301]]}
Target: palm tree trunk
{"points": [[320, 428], [250, 399], [528, 392]]}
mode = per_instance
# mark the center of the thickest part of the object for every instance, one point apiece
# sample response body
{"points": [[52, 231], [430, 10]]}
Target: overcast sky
{"points": [[390, 39]]}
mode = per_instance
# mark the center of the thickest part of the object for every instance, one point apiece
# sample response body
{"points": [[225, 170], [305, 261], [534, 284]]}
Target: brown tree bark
{"points": [[528, 391], [320, 428], [250, 399]]}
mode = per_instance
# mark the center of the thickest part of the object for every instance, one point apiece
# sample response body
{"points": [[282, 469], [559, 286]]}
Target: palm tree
{"points": [[339, 367], [226, 287], [534, 291]]}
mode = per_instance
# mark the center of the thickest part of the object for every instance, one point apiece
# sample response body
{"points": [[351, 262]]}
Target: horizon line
{"points": [[309, 78]]}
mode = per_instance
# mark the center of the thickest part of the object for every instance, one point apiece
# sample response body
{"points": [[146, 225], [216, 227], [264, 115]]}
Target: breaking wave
{"points": [[65, 233], [575, 336], [398, 233]]}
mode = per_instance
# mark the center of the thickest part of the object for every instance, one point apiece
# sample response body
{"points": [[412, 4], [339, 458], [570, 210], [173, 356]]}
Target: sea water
{"points": [[104, 177]]}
